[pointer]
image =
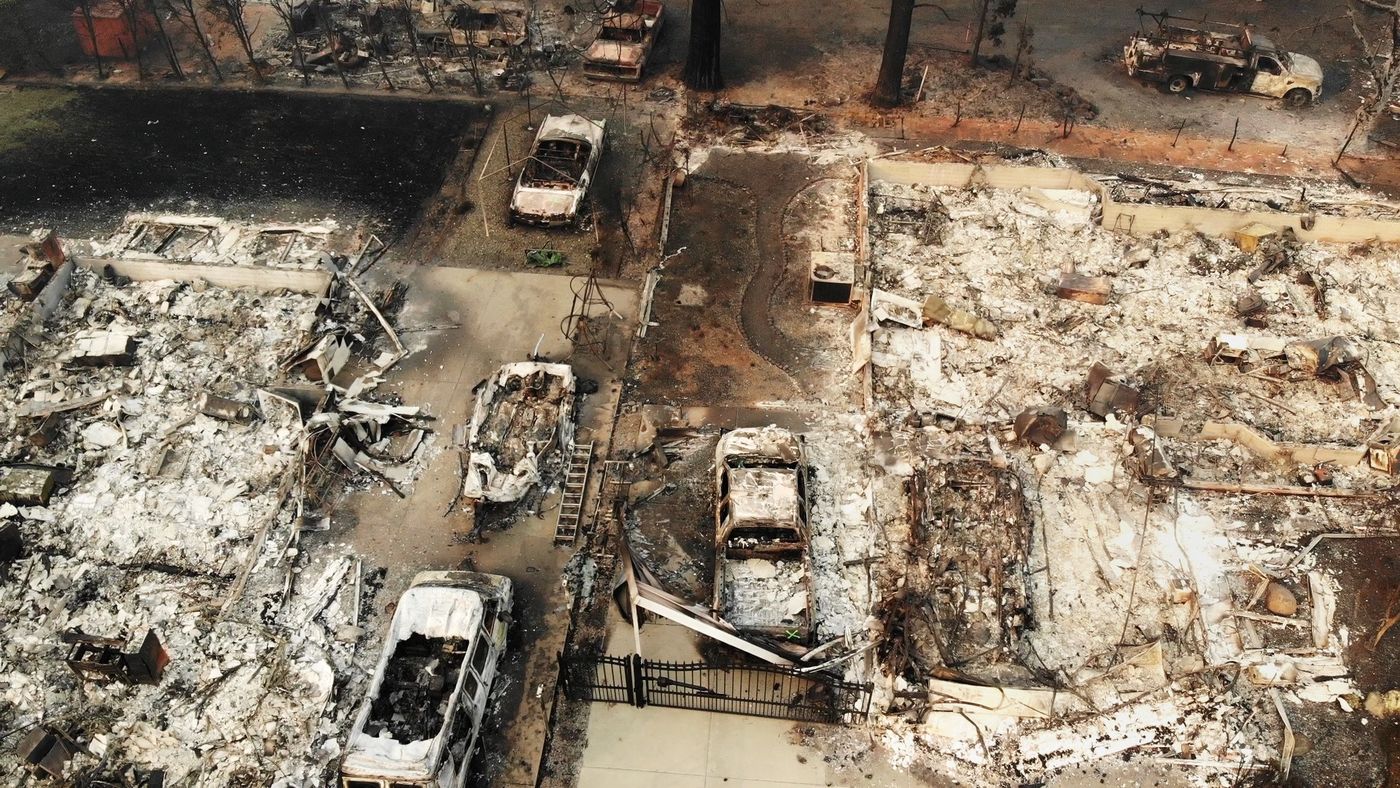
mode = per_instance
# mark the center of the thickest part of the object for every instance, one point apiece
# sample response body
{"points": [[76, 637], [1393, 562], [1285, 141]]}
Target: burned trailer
{"points": [[521, 427], [1182, 54], [624, 42], [421, 716], [763, 563], [556, 176]]}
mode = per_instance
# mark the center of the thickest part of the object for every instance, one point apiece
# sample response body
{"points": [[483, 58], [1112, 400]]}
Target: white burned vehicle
{"points": [[422, 714], [523, 421], [1183, 54], [763, 566], [624, 42], [556, 176]]}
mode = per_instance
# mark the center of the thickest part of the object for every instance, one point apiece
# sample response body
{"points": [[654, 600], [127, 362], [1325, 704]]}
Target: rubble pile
{"points": [[179, 451], [965, 592], [1118, 384]]}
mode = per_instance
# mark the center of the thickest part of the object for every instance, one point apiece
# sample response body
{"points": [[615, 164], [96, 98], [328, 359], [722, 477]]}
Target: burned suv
{"points": [[763, 566], [421, 717]]}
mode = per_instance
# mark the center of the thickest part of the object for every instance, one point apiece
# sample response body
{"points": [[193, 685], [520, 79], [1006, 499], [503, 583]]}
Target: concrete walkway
{"points": [[655, 747], [675, 748]]}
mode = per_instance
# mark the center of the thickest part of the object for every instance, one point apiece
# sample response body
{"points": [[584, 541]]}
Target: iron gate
{"points": [[729, 688]]}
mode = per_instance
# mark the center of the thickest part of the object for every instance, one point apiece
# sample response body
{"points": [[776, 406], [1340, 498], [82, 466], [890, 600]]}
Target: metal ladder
{"points": [[575, 488]]}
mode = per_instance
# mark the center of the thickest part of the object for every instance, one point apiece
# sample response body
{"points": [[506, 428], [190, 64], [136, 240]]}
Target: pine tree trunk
{"points": [[889, 86], [702, 62]]}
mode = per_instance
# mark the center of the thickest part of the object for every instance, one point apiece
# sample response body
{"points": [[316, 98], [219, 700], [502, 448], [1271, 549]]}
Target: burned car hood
{"points": [[1305, 66], [572, 127], [546, 202]]}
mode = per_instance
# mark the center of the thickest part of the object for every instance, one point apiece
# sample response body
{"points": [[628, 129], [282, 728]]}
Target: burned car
{"points": [[422, 714], [1182, 54], [482, 25], [558, 172], [523, 420], [763, 565], [624, 42]]}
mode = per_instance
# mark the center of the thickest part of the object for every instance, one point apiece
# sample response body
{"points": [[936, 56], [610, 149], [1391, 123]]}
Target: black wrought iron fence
{"points": [[730, 688]]}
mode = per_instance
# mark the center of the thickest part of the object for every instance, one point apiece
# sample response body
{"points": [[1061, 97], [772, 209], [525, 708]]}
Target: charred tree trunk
{"points": [[413, 40], [286, 10], [192, 13], [383, 71], [981, 31], [86, 7], [336, 42], [702, 62], [133, 20], [165, 41], [889, 86], [234, 9]]}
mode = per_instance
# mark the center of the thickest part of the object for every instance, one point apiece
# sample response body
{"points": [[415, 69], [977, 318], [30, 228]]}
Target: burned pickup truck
{"points": [[625, 40], [763, 566], [1183, 54], [523, 421], [422, 714], [557, 174]]}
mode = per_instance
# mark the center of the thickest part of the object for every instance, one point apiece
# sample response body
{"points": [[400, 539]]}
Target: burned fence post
{"points": [[1178, 133], [1234, 134], [1020, 118]]}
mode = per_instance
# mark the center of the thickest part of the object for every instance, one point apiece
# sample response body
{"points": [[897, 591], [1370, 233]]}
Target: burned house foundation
{"points": [[1130, 517], [158, 470]]}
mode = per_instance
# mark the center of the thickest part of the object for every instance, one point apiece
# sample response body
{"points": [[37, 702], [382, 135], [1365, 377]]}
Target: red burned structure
{"points": [[114, 31]]}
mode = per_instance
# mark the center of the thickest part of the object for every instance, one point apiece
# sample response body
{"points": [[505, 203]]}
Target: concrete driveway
{"points": [[462, 324]]}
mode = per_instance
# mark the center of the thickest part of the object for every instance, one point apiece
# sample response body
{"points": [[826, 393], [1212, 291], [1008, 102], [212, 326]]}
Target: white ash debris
{"points": [[848, 500], [186, 525], [1110, 562], [762, 593], [1001, 251]]}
